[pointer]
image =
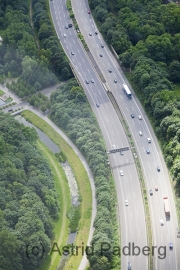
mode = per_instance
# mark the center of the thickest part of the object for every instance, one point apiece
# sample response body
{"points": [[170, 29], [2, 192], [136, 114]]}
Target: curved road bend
{"points": [[162, 235], [132, 218]]}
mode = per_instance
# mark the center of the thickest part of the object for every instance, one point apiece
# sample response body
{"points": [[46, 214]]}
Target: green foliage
{"points": [[71, 112], [19, 46], [28, 200], [74, 215], [51, 51], [39, 100], [61, 157]]}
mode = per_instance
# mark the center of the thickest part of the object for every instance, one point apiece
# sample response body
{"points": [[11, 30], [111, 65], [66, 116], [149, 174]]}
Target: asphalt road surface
{"points": [[131, 217], [162, 235]]}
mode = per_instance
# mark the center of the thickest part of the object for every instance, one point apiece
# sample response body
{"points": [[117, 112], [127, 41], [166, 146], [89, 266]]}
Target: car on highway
{"points": [[78, 31], [102, 45], [148, 151], [89, 12], [149, 140], [66, 27], [171, 246], [70, 25], [109, 70], [64, 35], [90, 34], [114, 147], [97, 105], [92, 80], [151, 192], [156, 188], [126, 203], [115, 81], [72, 53], [139, 117], [87, 82], [101, 55], [10, 110], [96, 32], [132, 115], [121, 153], [129, 266], [161, 222], [140, 133], [158, 168], [121, 172]]}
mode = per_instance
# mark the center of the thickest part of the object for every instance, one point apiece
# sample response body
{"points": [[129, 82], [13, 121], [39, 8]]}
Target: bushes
{"points": [[71, 111]]}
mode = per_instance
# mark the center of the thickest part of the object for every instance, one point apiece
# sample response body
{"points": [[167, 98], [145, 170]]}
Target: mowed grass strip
{"points": [[81, 178], [60, 225]]}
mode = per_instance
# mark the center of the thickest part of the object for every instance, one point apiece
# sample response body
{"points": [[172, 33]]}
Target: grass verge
{"points": [[81, 178], [60, 225], [1, 92]]}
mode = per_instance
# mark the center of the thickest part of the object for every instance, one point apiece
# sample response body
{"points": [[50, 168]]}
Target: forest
{"points": [[29, 48], [28, 200], [70, 111], [146, 36]]}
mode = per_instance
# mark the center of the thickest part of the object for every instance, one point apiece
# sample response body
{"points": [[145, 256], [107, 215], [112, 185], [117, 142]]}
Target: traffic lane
{"points": [[156, 202], [157, 208], [133, 216], [113, 128]]}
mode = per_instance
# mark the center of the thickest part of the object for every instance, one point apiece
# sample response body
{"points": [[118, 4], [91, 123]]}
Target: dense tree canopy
{"points": [[28, 200], [146, 36], [26, 49], [71, 111]]}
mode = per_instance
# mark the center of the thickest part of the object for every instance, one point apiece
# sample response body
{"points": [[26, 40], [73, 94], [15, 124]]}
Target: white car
{"points": [[64, 35], [121, 173], [149, 140], [140, 133], [140, 117], [161, 222], [126, 203], [114, 147]]}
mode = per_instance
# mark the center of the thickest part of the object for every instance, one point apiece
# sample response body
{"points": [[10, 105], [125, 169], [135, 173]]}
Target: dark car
{"points": [[97, 105], [96, 32], [158, 168], [109, 70], [101, 55], [102, 46], [115, 81], [87, 82], [89, 11], [151, 192], [132, 115], [72, 53], [92, 80], [171, 246], [70, 25], [147, 151], [90, 34], [10, 110]]}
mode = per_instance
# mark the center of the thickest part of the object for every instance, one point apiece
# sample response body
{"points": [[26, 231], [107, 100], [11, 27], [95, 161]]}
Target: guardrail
{"points": [[140, 174]]}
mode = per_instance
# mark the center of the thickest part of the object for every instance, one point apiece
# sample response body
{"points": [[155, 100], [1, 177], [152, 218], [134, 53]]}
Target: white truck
{"points": [[166, 207]]}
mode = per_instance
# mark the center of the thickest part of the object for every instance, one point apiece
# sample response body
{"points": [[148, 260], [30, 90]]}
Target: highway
{"points": [[131, 218], [162, 235]]}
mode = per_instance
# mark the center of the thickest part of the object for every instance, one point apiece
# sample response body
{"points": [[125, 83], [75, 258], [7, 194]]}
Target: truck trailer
{"points": [[166, 207]]}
